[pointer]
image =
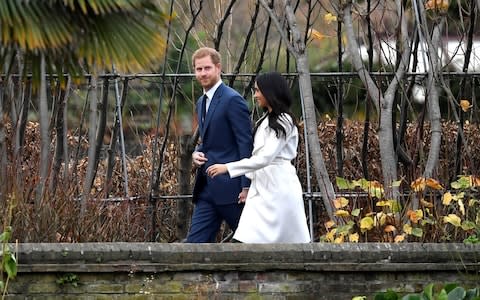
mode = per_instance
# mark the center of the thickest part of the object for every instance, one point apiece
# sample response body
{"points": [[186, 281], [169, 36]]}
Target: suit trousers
{"points": [[208, 217]]}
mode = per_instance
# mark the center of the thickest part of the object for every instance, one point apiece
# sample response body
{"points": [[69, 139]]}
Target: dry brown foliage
{"points": [[141, 218]]}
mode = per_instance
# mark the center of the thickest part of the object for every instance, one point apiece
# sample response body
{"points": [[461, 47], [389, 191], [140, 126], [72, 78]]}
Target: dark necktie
{"points": [[204, 107]]}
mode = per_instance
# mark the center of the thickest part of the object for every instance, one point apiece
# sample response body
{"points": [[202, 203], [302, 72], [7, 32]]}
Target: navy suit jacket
{"points": [[226, 136]]}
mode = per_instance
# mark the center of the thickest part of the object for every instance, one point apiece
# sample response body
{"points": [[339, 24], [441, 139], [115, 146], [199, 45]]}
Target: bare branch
{"points": [[227, 13]]}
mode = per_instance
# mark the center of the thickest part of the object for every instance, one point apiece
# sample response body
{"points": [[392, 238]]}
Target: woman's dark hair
{"points": [[276, 91]]}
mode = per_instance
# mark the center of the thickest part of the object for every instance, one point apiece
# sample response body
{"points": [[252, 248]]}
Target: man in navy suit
{"points": [[226, 135]]}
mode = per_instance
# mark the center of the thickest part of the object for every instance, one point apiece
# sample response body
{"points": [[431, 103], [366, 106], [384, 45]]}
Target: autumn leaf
{"points": [[329, 224], [415, 215], [329, 18], [407, 228], [447, 198], [330, 236], [465, 105], [353, 237], [339, 240], [316, 35], [383, 203], [340, 202], [342, 213], [426, 203], [434, 184], [418, 184], [375, 189], [437, 4], [390, 228], [452, 219], [366, 224], [399, 238]]}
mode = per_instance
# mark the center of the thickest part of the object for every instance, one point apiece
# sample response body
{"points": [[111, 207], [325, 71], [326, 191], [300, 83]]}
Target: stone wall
{"points": [[237, 271]]}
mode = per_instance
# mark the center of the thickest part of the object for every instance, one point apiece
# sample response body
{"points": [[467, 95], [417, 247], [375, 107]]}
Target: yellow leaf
{"points": [[407, 229], [330, 236], [383, 203], [338, 240], [419, 213], [329, 224], [340, 202], [434, 184], [390, 228], [353, 237], [399, 238], [447, 198], [366, 224], [342, 213], [452, 219], [465, 105], [329, 18]]}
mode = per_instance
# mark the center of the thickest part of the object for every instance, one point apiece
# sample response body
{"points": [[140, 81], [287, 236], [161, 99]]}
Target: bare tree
{"points": [[297, 48], [433, 83], [383, 100]]}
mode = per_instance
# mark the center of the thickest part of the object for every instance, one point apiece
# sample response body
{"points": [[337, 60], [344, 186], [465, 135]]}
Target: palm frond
{"points": [[127, 33]]}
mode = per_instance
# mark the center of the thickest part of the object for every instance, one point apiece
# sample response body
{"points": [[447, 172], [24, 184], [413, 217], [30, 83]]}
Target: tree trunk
{"points": [[305, 86], [433, 91], [44, 136], [383, 102]]}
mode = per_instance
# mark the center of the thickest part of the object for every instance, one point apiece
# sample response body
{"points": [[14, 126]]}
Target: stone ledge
{"points": [[160, 257]]}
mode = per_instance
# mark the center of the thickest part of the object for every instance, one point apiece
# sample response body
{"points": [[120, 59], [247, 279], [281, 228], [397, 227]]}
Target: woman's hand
{"points": [[242, 197], [216, 169]]}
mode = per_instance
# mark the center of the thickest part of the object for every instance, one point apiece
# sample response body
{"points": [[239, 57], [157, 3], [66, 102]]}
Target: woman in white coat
{"points": [[274, 211]]}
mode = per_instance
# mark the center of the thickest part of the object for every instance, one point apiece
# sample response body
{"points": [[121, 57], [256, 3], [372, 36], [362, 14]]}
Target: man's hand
{"points": [[198, 158]]}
